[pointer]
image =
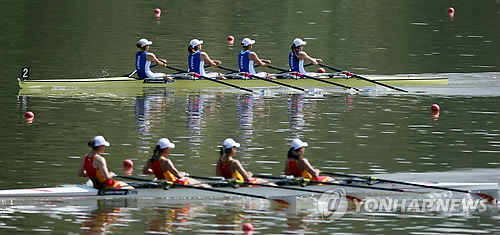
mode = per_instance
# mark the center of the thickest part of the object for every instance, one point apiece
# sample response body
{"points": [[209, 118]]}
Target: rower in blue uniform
{"points": [[247, 58], [143, 59], [197, 60], [297, 57]]}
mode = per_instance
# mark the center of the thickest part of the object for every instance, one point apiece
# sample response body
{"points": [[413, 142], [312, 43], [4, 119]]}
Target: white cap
{"points": [[229, 143], [100, 141], [297, 144], [299, 42], [144, 42], [195, 42], [247, 41], [165, 143]]}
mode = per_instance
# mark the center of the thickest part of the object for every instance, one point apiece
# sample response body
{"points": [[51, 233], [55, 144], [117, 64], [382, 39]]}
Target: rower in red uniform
{"points": [[228, 167], [94, 166], [299, 166], [164, 169]]}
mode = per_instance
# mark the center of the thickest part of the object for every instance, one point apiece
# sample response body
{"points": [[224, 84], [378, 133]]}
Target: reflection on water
{"points": [[169, 218], [105, 218], [246, 105], [194, 115], [296, 115]]}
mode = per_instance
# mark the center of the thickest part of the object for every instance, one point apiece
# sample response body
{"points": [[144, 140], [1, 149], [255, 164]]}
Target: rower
{"points": [[298, 166], [247, 58], [143, 59], [197, 60], [230, 168], [164, 169], [94, 166], [297, 57]]}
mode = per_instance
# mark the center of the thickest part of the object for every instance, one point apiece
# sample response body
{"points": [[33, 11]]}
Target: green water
{"points": [[376, 132]]}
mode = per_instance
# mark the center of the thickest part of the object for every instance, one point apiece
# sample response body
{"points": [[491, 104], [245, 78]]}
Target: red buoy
{"points": [[230, 38], [29, 114], [157, 12], [435, 107], [247, 227], [451, 10], [128, 163], [321, 70]]}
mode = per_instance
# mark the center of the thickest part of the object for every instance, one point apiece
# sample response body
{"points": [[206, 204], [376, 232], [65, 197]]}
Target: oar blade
{"points": [[487, 197]]}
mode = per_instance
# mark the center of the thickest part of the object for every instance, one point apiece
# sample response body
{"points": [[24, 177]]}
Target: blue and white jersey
{"points": [[246, 65], [142, 65], [195, 64], [296, 66]]}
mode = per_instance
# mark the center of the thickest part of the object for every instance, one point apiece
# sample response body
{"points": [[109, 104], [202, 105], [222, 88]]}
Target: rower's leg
{"points": [[197, 183], [124, 185]]}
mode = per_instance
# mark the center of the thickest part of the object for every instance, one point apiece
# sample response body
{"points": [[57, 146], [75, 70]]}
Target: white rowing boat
{"points": [[154, 190]]}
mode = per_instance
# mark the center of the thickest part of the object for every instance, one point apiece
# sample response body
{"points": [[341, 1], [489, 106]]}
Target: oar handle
{"points": [[213, 80], [366, 79]]}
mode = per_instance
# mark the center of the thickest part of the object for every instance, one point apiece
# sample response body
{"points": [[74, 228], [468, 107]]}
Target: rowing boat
{"points": [[188, 82], [155, 190]]}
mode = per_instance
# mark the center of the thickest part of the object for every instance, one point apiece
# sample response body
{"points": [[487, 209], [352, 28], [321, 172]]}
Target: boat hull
{"points": [[84, 191], [121, 82]]}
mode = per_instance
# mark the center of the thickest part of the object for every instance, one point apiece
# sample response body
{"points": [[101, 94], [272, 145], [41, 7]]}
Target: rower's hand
{"points": [[186, 174], [319, 61], [266, 62], [163, 62], [217, 62]]}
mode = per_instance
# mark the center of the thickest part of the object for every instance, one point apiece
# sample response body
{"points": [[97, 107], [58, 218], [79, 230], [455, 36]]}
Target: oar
{"points": [[262, 78], [134, 178], [366, 79], [313, 78], [371, 178], [211, 79], [333, 183], [281, 200], [288, 188], [130, 74]]}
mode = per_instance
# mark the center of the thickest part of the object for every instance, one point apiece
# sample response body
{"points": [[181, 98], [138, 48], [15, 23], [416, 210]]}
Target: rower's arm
{"points": [[147, 168], [304, 56], [238, 167], [100, 164], [170, 167], [81, 172], [310, 169], [208, 61], [151, 57], [255, 58]]}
